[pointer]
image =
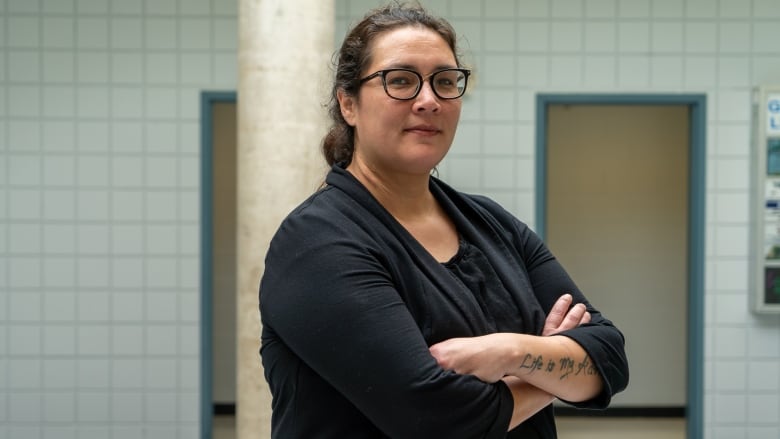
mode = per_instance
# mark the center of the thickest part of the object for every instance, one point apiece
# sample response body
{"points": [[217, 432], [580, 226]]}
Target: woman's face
{"points": [[410, 136]]}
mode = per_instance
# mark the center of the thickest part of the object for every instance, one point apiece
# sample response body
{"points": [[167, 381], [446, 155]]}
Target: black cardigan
{"points": [[350, 303]]}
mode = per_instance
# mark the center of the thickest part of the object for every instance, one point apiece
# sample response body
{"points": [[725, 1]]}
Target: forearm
{"points": [[528, 400], [557, 365]]}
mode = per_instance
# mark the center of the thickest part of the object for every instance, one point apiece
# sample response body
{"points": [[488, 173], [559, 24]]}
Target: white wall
{"points": [[99, 212], [99, 184]]}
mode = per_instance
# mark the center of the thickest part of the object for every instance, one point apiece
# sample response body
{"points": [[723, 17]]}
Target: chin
{"points": [[423, 166], [422, 158]]}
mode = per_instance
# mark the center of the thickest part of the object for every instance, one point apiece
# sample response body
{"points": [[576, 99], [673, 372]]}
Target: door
{"points": [[617, 218], [223, 214], [218, 261]]}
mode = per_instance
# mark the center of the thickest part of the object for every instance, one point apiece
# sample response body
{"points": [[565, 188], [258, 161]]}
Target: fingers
{"points": [[574, 317], [440, 353], [564, 316], [557, 314]]}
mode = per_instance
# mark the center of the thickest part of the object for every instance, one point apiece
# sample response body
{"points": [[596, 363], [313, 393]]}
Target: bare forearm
{"points": [[528, 400], [552, 363], [557, 365]]}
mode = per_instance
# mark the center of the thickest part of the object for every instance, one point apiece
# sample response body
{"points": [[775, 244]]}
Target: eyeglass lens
{"points": [[404, 84]]}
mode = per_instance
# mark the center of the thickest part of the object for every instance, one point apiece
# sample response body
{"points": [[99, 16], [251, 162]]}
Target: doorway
{"points": [[218, 257], [620, 202]]}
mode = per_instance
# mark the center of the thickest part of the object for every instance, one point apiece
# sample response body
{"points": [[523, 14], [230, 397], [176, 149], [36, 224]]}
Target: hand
{"points": [[483, 357], [563, 316]]}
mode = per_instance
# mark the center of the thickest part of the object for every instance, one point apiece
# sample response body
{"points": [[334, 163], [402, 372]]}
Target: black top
{"points": [[471, 267], [350, 302]]}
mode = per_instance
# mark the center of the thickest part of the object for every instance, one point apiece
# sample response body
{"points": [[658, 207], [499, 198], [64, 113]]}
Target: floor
{"points": [[568, 428]]}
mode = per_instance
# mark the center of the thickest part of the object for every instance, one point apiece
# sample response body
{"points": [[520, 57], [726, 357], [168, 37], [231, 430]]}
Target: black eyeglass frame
{"points": [[421, 79]]}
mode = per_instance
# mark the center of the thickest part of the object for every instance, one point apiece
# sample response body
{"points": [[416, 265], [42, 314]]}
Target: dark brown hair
{"points": [[354, 55]]}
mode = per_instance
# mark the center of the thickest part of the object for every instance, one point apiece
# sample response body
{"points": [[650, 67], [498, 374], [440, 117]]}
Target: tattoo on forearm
{"points": [[565, 366]]}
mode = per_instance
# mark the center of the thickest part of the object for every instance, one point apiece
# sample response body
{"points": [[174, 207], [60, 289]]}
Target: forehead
{"points": [[410, 46]]}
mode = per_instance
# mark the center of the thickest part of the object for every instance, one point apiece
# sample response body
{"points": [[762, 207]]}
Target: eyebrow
{"points": [[411, 67]]}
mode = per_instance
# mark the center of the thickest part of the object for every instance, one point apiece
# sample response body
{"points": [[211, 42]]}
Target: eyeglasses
{"points": [[405, 84]]}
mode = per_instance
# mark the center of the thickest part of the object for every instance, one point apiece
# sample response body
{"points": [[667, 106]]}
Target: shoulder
{"points": [[318, 217], [490, 217], [489, 205], [330, 223], [481, 204]]}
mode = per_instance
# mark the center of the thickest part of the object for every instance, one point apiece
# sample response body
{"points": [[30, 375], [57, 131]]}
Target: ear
{"points": [[348, 106]]}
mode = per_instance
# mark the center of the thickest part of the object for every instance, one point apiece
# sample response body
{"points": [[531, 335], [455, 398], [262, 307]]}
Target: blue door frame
{"points": [[207, 101], [697, 105]]}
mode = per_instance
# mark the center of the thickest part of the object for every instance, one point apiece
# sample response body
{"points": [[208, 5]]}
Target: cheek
{"points": [[454, 116], [385, 118], [456, 110]]}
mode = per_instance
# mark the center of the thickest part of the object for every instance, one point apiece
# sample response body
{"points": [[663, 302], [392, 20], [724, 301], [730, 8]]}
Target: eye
{"points": [[400, 79], [447, 79]]}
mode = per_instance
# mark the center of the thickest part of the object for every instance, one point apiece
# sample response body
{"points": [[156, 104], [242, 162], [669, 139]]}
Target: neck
{"points": [[405, 196]]}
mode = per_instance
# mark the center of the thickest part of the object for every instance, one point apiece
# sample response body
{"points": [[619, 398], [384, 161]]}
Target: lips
{"points": [[424, 129]]}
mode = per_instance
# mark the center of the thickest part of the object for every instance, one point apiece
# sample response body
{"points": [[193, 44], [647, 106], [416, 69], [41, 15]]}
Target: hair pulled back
{"points": [[354, 55]]}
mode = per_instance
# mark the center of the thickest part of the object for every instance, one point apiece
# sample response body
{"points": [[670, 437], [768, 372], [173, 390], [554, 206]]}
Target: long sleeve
{"points": [[329, 296], [350, 303], [603, 342]]}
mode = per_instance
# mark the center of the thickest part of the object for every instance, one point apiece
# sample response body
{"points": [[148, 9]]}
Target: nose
{"points": [[426, 100]]}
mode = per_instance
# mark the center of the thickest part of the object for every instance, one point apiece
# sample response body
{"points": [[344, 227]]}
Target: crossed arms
{"points": [[537, 369]]}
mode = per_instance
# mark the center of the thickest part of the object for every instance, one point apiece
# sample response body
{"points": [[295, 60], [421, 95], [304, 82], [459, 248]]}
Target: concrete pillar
{"points": [[284, 51]]}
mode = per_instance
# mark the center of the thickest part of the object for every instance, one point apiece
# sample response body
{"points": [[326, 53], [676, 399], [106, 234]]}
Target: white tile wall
{"points": [[99, 184]]}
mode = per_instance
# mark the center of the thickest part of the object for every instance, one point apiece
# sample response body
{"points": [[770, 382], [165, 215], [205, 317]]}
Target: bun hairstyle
{"points": [[355, 54]]}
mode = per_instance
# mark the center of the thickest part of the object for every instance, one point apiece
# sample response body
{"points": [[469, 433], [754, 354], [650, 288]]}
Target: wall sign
{"points": [[765, 256], [773, 114]]}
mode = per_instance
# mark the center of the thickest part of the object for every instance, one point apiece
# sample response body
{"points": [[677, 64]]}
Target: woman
{"points": [[395, 306]]}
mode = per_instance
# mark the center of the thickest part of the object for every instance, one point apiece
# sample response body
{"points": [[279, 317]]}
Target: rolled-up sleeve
{"points": [[603, 342]]}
